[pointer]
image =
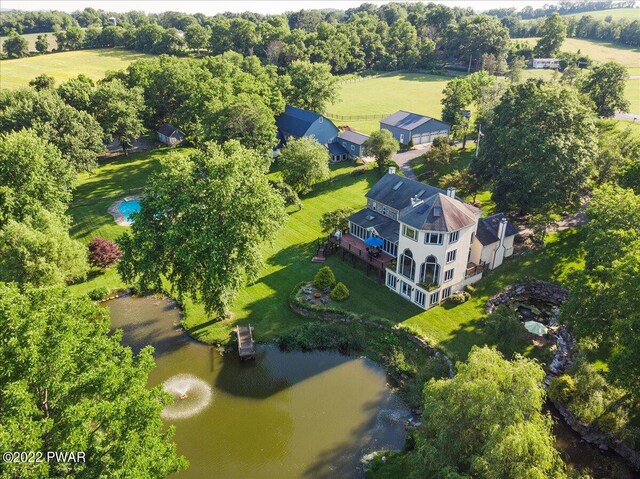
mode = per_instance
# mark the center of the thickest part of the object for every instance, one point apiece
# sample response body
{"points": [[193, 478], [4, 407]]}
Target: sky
{"points": [[236, 6]]}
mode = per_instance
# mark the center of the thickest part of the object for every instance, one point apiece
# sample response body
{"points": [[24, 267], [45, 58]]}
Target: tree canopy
{"points": [[539, 149], [605, 86], [487, 422], [202, 225], [382, 146], [15, 46], [67, 384], [303, 163], [313, 87], [552, 33]]}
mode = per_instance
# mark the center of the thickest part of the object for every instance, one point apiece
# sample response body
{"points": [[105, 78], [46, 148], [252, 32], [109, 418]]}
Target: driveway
{"points": [[403, 159], [634, 117]]}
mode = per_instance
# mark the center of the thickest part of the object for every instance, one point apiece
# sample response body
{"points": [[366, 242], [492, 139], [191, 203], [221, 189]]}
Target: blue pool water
{"points": [[127, 208]]}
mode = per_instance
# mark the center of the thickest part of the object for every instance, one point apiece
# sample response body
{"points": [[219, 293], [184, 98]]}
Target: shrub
{"points": [[470, 288], [103, 253], [562, 388], [459, 297], [98, 293], [504, 329], [320, 336], [410, 145], [358, 161], [324, 278], [340, 292]]}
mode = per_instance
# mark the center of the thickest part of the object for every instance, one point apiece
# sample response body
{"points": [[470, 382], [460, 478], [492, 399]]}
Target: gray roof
{"points": [[169, 130], [406, 120], [385, 227], [487, 232], [353, 137], [336, 149], [422, 206]]}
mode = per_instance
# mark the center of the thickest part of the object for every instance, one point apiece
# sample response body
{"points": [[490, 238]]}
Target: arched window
{"points": [[430, 270], [407, 265]]}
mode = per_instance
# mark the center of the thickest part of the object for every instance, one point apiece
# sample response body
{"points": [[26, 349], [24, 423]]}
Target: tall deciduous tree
{"points": [[382, 146], [66, 384], [605, 86], [304, 162], [39, 252], [42, 44], [465, 181], [15, 46], [336, 220], [197, 37], [552, 34], [119, 109], [77, 134], [313, 87], [487, 422], [539, 149], [202, 225], [604, 306], [33, 176]]}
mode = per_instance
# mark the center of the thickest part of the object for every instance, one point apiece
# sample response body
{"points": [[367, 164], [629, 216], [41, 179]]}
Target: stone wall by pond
{"points": [[554, 295], [542, 291]]}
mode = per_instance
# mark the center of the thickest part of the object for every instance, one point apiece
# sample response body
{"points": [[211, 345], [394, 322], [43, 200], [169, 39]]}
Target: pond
{"points": [[283, 415]]}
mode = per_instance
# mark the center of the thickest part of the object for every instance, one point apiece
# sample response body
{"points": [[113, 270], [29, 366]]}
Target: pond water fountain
{"points": [[191, 395]]}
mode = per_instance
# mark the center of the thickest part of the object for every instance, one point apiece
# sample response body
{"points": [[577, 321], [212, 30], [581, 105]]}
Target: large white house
{"points": [[433, 243]]}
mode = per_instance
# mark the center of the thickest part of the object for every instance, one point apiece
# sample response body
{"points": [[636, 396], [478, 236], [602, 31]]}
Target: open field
{"points": [[598, 51], [415, 92], [265, 303], [31, 38], [632, 93], [615, 13], [62, 66]]}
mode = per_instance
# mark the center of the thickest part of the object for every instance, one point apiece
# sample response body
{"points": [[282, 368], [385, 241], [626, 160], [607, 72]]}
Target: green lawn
{"points": [[632, 94], [288, 262], [31, 39], [415, 92], [62, 66], [615, 13]]}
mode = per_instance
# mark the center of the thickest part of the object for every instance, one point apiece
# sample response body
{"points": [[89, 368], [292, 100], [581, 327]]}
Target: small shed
{"points": [[170, 135], [406, 126], [352, 141]]}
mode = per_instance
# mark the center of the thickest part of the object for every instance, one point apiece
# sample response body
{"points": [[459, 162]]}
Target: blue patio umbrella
{"points": [[374, 241]]}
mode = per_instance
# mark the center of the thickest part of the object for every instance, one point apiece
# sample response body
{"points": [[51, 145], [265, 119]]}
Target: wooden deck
{"points": [[357, 251], [246, 344]]}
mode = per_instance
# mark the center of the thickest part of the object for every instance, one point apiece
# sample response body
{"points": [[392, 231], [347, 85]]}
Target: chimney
{"points": [[392, 170], [502, 229], [451, 192]]}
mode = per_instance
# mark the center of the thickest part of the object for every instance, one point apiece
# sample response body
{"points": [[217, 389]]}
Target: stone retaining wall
{"points": [[555, 295], [335, 317]]}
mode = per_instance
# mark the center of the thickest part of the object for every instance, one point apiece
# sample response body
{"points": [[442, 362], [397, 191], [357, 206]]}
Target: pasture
{"points": [[614, 13], [31, 38], [62, 66], [598, 51], [383, 95]]}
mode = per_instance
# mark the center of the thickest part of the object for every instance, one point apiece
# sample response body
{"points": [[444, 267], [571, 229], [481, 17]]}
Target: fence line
{"points": [[357, 117]]}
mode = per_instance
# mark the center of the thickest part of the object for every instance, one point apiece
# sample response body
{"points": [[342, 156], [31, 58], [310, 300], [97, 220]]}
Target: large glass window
{"points": [[433, 238], [410, 232], [407, 266], [430, 271]]}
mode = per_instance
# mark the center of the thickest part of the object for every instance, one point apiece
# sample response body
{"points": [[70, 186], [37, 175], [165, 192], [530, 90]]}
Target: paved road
{"points": [[403, 159], [634, 117]]}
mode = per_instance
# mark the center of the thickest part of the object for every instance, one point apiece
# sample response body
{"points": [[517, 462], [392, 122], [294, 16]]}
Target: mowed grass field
{"points": [[31, 38], [414, 92], [598, 51], [615, 13], [288, 262], [62, 66]]}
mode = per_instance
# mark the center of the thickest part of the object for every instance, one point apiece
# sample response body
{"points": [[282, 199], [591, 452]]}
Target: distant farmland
{"points": [[31, 38], [62, 66]]}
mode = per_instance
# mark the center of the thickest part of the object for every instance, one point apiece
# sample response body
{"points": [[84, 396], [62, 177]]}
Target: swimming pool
{"points": [[128, 207]]}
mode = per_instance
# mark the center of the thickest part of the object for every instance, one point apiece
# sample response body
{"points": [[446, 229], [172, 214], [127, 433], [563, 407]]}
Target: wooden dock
{"points": [[246, 344]]}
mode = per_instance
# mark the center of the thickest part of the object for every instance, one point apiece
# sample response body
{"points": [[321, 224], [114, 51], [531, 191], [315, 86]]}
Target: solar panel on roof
{"points": [[397, 185]]}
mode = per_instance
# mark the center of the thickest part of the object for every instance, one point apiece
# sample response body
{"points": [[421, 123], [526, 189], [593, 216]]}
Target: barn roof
{"points": [[296, 121]]}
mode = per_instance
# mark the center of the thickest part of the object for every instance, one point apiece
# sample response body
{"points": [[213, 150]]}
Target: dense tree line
{"points": [[621, 30], [563, 8], [389, 37]]}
